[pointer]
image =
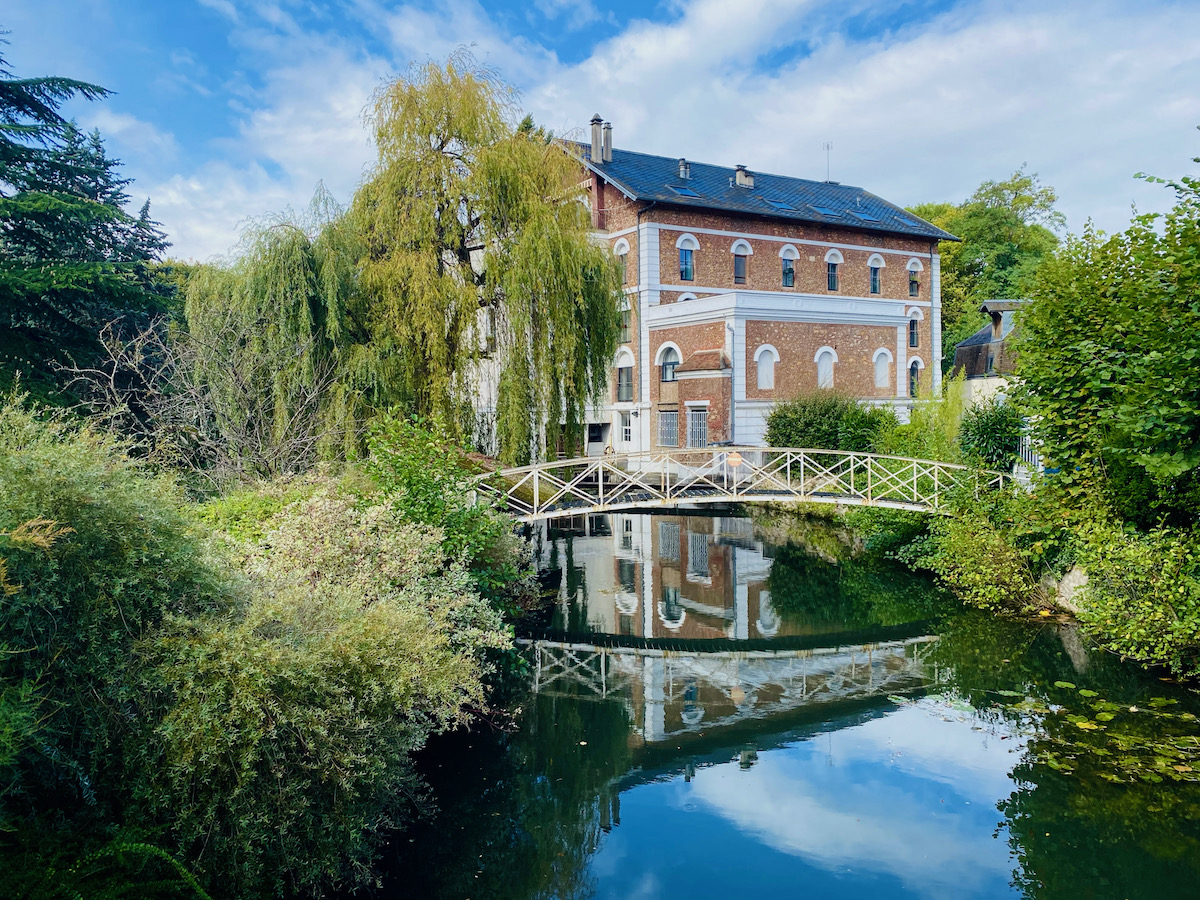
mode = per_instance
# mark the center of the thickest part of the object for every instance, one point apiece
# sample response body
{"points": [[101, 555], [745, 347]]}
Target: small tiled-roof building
{"points": [[987, 358]]}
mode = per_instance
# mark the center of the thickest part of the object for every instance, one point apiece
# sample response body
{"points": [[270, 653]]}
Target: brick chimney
{"points": [[597, 154], [608, 141], [743, 178]]}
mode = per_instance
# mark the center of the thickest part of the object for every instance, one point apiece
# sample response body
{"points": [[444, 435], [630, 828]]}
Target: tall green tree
{"points": [[71, 257], [1007, 228], [1110, 363], [478, 263]]}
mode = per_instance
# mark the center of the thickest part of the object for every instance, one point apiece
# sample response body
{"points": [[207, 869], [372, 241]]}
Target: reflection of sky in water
{"points": [[900, 806]]}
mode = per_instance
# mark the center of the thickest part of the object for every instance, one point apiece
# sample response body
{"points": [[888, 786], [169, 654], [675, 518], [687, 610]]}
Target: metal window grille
{"points": [[914, 284], [697, 427], [697, 554], [625, 383], [668, 429], [789, 273], [668, 541], [739, 269], [832, 275], [686, 270], [626, 428], [874, 279], [914, 336]]}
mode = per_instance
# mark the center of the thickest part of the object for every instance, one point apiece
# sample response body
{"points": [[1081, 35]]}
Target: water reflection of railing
{"points": [[673, 692]]}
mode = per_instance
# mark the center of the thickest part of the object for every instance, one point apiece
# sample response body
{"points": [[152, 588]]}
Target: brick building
{"points": [[743, 289]]}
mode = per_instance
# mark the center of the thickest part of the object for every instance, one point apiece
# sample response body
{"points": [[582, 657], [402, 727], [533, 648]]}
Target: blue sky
{"points": [[228, 110]]}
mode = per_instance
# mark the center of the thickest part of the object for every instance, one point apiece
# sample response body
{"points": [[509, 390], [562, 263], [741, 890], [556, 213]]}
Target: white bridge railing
{"points": [[669, 478]]}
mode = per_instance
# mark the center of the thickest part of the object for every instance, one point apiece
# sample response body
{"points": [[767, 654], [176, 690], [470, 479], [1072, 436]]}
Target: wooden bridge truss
{"points": [[670, 478]]}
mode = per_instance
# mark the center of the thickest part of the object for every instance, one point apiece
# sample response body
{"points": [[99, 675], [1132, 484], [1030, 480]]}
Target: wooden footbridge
{"points": [[668, 478]]}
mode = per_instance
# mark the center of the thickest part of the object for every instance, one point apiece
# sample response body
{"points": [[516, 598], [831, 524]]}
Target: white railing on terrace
{"points": [[668, 478]]}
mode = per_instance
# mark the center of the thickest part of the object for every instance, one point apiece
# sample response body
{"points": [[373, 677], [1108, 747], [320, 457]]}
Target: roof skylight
{"points": [[780, 204], [862, 216], [684, 192], [825, 211]]}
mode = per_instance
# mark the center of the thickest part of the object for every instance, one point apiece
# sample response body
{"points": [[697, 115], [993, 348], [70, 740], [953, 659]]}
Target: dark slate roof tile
{"points": [[646, 177]]}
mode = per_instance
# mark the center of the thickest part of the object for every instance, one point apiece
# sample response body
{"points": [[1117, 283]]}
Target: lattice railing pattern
{"points": [[667, 478]]}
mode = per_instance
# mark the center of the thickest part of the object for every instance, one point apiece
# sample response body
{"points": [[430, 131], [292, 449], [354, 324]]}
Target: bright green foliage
{"points": [[825, 420], [285, 731], [472, 227], [1007, 229], [991, 433], [1143, 593], [428, 478], [97, 552], [932, 428], [270, 343], [1110, 360]]}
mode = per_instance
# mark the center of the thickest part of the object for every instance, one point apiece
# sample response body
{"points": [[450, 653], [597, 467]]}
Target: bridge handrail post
{"points": [[802, 479], [870, 471], [937, 495]]}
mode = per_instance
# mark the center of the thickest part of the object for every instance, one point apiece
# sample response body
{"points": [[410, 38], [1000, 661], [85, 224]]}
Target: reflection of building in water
{"points": [[686, 577], [672, 693]]}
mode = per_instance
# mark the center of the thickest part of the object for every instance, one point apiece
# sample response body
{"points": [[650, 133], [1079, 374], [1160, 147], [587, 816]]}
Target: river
{"points": [[721, 708]]}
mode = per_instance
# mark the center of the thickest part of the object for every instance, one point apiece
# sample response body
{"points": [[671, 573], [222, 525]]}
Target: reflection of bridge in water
{"points": [[672, 693]]}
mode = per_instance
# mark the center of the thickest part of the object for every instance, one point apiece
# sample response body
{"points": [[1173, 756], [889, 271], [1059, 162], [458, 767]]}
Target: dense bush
{"points": [[428, 477], [826, 420], [98, 551], [285, 731], [991, 433], [1143, 593]]}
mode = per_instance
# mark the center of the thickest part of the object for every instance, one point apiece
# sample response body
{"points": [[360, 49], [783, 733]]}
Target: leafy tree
{"points": [[991, 433], [1110, 364], [1007, 229], [475, 235]]}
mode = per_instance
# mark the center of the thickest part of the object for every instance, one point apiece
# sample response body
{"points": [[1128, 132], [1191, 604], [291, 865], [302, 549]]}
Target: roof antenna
{"points": [[827, 146]]}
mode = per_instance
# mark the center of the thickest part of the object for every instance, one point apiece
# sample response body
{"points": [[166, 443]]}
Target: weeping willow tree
{"points": [[477, 260], [270, 344]]}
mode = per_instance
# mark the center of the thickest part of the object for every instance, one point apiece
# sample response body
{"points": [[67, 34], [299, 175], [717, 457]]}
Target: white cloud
{"points": [[1085, 93], [132, 133]]}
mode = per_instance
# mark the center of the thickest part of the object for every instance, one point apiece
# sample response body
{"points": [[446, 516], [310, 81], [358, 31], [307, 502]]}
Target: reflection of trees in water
{"points": [[806, 590], [520, 815], [1076, 835]]}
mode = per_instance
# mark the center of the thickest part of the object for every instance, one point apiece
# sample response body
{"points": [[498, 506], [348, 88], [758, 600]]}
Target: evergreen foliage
{"points": [[991, 433], [71, 257], [826, 420]]}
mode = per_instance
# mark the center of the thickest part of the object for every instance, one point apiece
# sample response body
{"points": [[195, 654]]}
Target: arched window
{"points": [[883, 362], [624, 366], [670, 359], [825, 359], [915, 267], [876, 264], [914, 377], [765, 358], [687, 245], [832, 260], [621, 249], [787, 257], [741, 251]]}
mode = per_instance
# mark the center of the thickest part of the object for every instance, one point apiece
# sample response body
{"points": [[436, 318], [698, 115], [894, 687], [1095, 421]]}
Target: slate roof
{"points": [[982, 336], [646, 177]]}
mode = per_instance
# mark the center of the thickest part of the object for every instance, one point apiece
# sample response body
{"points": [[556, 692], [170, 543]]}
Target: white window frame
{"points": [[833, 358], [765, 359], [884, 354]]}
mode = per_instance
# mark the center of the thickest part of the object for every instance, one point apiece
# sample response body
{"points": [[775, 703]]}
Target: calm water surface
{"points": [[722, 710]]}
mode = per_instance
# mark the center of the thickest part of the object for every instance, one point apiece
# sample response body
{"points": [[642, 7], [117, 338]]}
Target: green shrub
{"points": [[429, 479], [285, 731], [991, 433], [98, 550], [826, 420], [1142, 598]]}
